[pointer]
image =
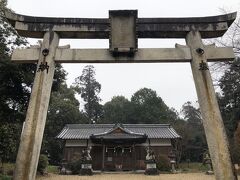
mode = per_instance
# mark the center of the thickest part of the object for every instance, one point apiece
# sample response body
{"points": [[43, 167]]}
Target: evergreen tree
{"points": [[193, 136], [118, 110], [15, 79], [63, 109], [236, 147], [191, 114], [89, 89], [149, 108], [230, 99], [16, 82]]}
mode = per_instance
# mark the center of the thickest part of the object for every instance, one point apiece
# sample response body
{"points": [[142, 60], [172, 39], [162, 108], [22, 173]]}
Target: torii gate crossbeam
{"points": [[123, 29]]}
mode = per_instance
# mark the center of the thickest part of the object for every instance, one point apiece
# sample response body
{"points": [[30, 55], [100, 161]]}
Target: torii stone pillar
{"points": [[212, 120], [31, 140]]}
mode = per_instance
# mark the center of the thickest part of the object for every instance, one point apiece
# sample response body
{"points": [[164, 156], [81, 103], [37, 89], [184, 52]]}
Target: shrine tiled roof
{"points": [[84, 131]]}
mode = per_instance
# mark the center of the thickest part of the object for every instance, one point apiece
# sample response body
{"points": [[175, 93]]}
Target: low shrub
{"points": [[1, 170], [42, 164], [9, 172], [75, 166], [4, 177], [193, 167], [163, 163]]}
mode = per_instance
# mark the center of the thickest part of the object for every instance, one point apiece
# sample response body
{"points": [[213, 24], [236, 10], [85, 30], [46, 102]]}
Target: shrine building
{"points": [[118, 146]]}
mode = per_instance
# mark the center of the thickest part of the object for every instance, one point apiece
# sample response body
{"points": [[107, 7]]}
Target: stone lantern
{"points": [[172, 158], [208, 162]]}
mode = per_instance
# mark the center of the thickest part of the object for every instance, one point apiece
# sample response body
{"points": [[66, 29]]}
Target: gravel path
{"points": [[188, 176]]}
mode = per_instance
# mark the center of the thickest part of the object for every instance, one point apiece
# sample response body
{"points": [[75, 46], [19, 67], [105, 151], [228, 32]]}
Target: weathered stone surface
{"points": [[212, 120], [123, 38], [26, 55], [91, 28], [31, 139], [150, 55]]}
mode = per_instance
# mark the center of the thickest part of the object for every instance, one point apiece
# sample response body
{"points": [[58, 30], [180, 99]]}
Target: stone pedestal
{"points": [[172, 158], [209, 172], [173, 166], [62, 169], [86, 168], [209, 167], [151, 167]]}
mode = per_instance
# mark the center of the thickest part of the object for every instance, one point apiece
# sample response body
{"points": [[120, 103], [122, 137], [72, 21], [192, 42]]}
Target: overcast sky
{"points": [[173, 82]]}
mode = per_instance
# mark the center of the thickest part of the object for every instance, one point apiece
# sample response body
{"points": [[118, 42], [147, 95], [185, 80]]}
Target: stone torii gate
{"points": [[122, 28]]}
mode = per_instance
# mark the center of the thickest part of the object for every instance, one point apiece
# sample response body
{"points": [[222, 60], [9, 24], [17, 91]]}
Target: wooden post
{"points": [[103, 157], [30, 145], [212, 120], [134, 158]]}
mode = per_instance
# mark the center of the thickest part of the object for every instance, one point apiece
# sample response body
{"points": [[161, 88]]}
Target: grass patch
{"points": [[6, 169], [53, 169], [192, 167], [5, 177]]}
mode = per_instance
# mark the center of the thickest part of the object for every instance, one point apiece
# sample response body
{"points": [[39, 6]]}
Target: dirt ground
{"points": [[188, 176]]}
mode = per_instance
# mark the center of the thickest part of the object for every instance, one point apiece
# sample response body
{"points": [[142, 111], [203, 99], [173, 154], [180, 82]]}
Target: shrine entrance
{"points": [[122, 28], [119, 158], [119, 151]]}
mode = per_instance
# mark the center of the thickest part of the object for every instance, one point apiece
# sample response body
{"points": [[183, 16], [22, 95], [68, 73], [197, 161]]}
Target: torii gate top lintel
{"points": [[122, 28], [96, 28]]}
